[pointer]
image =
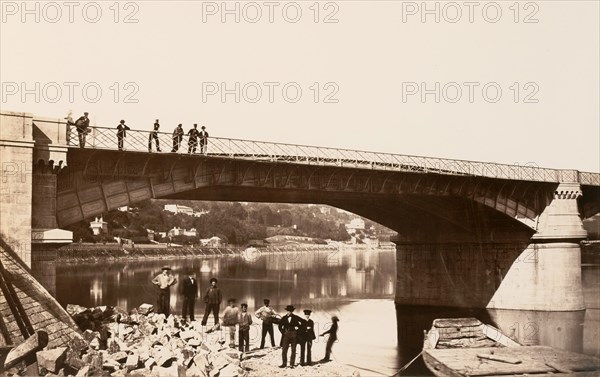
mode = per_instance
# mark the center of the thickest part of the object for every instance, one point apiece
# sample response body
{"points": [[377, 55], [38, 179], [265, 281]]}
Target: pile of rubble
{"points": [[143, 343]]}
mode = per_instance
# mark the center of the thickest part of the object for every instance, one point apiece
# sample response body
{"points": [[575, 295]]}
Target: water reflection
{"points": [[318, 279]]}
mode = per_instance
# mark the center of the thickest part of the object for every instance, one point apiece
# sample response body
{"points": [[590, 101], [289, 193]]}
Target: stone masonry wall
{"points": [[44, 312]]}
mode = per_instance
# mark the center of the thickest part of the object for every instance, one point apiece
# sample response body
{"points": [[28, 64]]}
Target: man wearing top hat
{"points": [[305, 338], [212, 299], [164, 281], [177, 137], [289, 325]]}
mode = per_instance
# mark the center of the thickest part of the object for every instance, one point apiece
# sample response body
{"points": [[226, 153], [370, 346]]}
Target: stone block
{"points": [[52, 360], [201, 361], [132, 361], [145, 309], [185, 335], [194, 342], [119, 357], [229, 371], [83, 372], [149, 363]]}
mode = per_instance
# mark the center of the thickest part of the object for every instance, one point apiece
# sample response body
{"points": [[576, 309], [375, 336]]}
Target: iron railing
{"points": [[139, 141]]}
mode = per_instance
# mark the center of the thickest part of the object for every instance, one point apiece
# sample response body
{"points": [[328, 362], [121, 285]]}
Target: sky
{"points": [[506, 82]]}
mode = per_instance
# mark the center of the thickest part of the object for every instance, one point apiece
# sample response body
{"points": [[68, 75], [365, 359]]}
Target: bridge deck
{"points": [[139, 141]]}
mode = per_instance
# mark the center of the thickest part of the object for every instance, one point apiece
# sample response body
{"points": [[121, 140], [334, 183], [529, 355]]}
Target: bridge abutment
{"points": [[551, 281], [32, 152]]}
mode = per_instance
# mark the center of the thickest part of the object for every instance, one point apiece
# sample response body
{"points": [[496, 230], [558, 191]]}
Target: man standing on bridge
{"points": [[193, 139], [203, 140], [177, 137], [82, 125], [154, 135], [121, 133]]}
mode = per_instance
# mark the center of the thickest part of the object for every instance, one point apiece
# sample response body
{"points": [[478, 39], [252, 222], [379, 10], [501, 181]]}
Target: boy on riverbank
{"points": [[230, 320], [245, 320]]}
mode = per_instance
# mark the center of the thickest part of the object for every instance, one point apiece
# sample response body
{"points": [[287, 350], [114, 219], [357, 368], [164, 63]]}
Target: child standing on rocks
{"points": [[245, 320]]}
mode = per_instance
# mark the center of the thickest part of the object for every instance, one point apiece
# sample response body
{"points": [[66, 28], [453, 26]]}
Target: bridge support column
{"points": [[550, 280], [16, 186]]}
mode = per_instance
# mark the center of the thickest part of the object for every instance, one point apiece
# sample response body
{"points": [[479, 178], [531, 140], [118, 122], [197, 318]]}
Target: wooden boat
{"points": [[460, 347]]}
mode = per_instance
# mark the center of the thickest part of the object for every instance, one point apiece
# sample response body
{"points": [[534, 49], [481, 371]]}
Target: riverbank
{"points": [[89, 253], [143, 343]]}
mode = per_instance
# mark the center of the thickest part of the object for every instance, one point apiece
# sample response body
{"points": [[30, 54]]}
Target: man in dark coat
{"points": [[306, 337], [212, 299], [193, 139], [332, 338], [82, 125], [177, 137], [189, 291], [289, 326], [121, 133]]}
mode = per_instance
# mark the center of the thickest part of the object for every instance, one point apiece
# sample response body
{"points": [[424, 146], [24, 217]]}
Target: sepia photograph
{"points": [[308, 188]]}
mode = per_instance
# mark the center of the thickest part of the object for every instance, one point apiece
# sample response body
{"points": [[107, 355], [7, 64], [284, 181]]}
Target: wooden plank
{"points": [[456, 322], [510, 360], [33, 344], [534, 359]]}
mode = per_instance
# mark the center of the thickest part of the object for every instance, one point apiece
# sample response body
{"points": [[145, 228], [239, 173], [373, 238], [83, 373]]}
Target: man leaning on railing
{"points": [[82, 125]]}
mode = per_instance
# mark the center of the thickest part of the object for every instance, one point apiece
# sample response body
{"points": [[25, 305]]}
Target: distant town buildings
{"points": [[211, 242], [99, 226], [176, 208], [355, 225], [176, 231], [325, 210]]}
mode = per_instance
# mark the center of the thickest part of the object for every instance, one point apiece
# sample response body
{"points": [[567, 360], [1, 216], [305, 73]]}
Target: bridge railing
{"points": [[140, 141]]}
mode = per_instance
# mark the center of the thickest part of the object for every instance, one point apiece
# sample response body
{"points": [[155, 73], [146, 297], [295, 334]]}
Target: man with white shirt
{"points": [[164, 281], [266, 314]]}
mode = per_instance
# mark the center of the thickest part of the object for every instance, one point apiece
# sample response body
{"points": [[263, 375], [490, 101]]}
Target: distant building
{"points": [[355, 225], [211, 242], [176, 208], [124, 209], [325, 210], [99, 226], [176, 231]]}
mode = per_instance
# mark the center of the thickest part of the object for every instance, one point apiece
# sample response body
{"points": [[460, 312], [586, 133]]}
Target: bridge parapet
{"points": [[138, 141]]}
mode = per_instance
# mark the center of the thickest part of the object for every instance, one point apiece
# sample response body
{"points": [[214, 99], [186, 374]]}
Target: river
{"points": [[357, 286]]}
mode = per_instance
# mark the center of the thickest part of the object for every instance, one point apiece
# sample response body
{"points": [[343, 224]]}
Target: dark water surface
{"points": [[357, 286]]}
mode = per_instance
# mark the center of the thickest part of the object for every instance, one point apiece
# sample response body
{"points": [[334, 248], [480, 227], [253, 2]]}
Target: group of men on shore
{"points": [[195, 137], [294, 329]]}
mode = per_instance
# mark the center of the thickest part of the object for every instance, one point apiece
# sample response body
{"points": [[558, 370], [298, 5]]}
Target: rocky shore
{"points": [[143, 343]]}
